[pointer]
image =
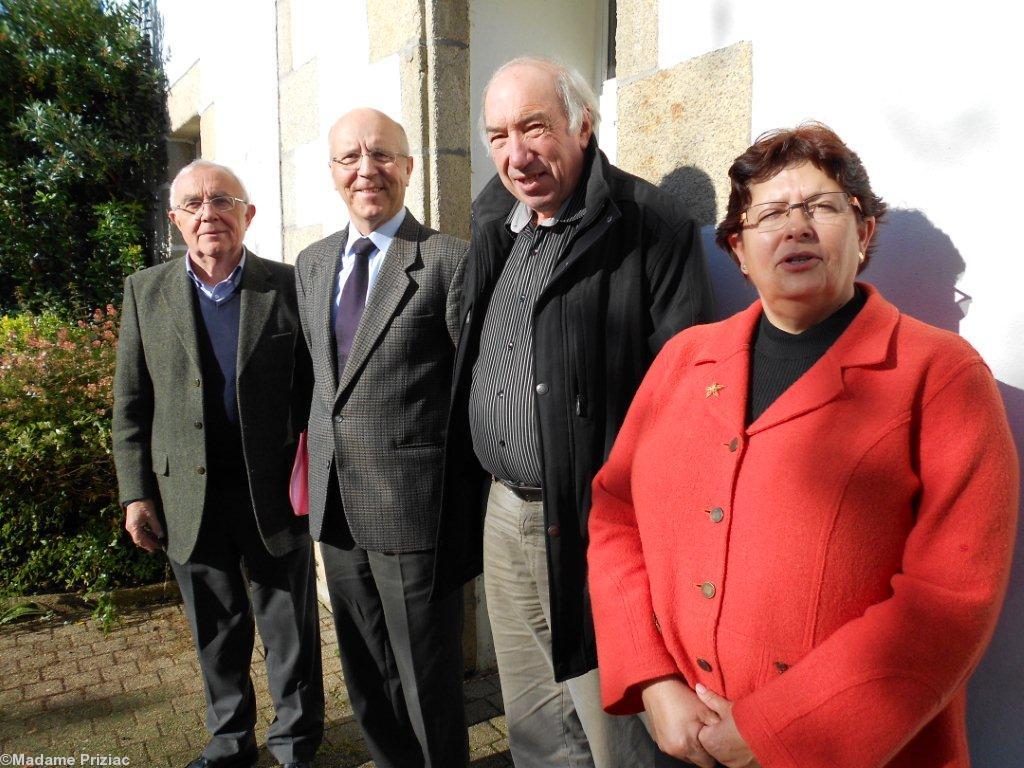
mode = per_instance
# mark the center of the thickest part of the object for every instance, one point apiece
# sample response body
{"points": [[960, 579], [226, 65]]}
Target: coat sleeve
{"points": [[454, 300], [131, 429], [630, 650], [862, 694], [678, 283], [300, 296], [302, 383]]}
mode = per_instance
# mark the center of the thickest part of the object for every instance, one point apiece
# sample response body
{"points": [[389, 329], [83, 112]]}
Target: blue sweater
{"points": [[217, 330]]}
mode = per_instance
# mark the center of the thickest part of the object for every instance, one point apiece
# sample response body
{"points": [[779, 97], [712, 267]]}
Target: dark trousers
{"points": [[401, 655], [229, 581]]}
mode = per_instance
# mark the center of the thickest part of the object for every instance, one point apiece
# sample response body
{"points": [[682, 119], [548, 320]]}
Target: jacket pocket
{"points": [[576, 358]]}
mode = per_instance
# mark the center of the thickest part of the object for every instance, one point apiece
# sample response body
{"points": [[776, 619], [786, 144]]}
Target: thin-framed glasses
{"points": [[823, 208], [379, 157], [220, 203]]}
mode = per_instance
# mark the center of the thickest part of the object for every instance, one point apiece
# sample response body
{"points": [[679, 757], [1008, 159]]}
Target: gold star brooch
{"points": [[713, 389]]}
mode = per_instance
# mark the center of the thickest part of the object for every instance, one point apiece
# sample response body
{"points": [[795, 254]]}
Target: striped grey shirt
{"points": [[502, 415]]}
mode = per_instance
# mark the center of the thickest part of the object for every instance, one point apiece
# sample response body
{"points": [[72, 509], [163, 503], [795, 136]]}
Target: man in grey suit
{"points": [[379, 307], [211, 391]]}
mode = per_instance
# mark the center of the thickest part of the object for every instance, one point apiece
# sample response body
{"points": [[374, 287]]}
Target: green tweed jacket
{"points": [[159, 427]]}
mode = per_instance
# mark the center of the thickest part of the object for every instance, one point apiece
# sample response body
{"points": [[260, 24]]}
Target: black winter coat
{"points": [[633, 276]]}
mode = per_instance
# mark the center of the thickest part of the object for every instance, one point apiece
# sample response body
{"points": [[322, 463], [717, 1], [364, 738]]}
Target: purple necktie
{"points": [[353, 301]]}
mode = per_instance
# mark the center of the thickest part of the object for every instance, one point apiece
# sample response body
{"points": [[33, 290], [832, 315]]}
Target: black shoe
{"points": [[241, 761]]}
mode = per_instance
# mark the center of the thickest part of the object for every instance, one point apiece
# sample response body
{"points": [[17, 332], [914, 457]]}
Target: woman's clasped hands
{"points": [[695, 726]]}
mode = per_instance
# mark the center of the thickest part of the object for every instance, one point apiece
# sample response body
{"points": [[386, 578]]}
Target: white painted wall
{"points": [[236, 42], [924, 93], [335, 37]]}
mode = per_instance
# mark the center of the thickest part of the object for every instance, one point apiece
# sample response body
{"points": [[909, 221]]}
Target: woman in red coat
{"points": [[801, 539]]}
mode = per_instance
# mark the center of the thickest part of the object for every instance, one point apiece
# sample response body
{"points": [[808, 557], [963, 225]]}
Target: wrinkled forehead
{"points": [[207, 182], [522, 92]]}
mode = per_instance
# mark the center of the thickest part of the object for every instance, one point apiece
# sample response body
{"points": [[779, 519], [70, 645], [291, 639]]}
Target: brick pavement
{"points": [[67, 689]]}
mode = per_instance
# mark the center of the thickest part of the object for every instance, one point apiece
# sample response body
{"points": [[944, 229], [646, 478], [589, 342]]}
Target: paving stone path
{"points": [[68, 689]]}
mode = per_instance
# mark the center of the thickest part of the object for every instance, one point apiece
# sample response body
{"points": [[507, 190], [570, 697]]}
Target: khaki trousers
{"points": [[549, 724]]}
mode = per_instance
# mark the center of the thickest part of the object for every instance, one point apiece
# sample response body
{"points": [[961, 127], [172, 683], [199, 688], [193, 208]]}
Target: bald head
{"points": [[207, 165], [370, 165], [363, 118]]}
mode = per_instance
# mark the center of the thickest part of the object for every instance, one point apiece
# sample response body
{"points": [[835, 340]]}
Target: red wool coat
{"points": [[836, 568]]}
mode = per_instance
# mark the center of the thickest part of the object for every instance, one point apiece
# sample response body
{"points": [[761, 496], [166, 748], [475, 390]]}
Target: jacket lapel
{"points": [[258, 295], [322, 285], [390, 286], [865, 342], [724, 367], [177, 297]]}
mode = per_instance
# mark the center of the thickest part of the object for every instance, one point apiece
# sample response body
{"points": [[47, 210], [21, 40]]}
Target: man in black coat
{"points": [[578, 273]]}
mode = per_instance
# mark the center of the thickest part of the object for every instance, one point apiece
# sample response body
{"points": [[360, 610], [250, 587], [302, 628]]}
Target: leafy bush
{"points": [[60, 522], [83, 117]]}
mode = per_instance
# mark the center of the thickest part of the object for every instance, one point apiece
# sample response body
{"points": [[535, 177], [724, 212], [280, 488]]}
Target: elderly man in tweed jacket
{"points": [[379, 307], [211, 391]]}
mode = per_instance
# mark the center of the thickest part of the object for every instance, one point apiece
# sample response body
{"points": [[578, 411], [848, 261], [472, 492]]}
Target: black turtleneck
{"points": [[778, 359]]}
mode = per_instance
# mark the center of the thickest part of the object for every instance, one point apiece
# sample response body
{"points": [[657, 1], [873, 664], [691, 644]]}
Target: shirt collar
{"points": [[381, 237], [223, 290], [572, 209]]}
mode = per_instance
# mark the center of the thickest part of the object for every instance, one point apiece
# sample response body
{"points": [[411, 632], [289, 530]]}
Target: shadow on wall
{"points": [[916, 267], [693, 186], [996, 692]]}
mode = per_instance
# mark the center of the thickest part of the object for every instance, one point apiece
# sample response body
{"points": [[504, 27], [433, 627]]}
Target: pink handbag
{"points": [[298, 487]]}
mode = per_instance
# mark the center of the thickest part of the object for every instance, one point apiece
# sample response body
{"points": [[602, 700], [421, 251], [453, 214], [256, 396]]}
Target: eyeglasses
{"points": [[379, 157], [824, 208], [221, 204]]}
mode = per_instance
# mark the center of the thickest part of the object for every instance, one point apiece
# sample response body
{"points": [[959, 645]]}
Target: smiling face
{"points": [[537, 157], [373, 192], [805, 271], [211, 234]]}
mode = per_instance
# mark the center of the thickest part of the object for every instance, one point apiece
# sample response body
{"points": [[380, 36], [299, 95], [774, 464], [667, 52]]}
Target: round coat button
{"points": [[553, 530], [338, 419], [703, 664], [717, 514], [199, 425], [200, 470], [707, 589], [542, 388], [734, 444], [197, 383]]}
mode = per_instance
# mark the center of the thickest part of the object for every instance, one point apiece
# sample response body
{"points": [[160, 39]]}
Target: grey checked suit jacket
{"points": [[158, 424], [384, 422]]}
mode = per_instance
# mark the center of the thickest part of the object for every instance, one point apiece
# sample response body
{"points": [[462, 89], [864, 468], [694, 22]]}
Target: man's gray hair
{"points": [[577, 97], [200, 163]]}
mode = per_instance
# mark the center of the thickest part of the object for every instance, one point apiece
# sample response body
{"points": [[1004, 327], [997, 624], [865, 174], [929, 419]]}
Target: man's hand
{"points": [[676, 716], [143, 525], [722, 739]]}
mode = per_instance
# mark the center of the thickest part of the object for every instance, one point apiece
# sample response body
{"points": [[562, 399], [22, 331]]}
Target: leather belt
{"points": [[523, 492]]}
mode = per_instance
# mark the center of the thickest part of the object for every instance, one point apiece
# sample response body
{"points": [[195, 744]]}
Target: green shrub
{"points": [[60, 523], [83, 117]]}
